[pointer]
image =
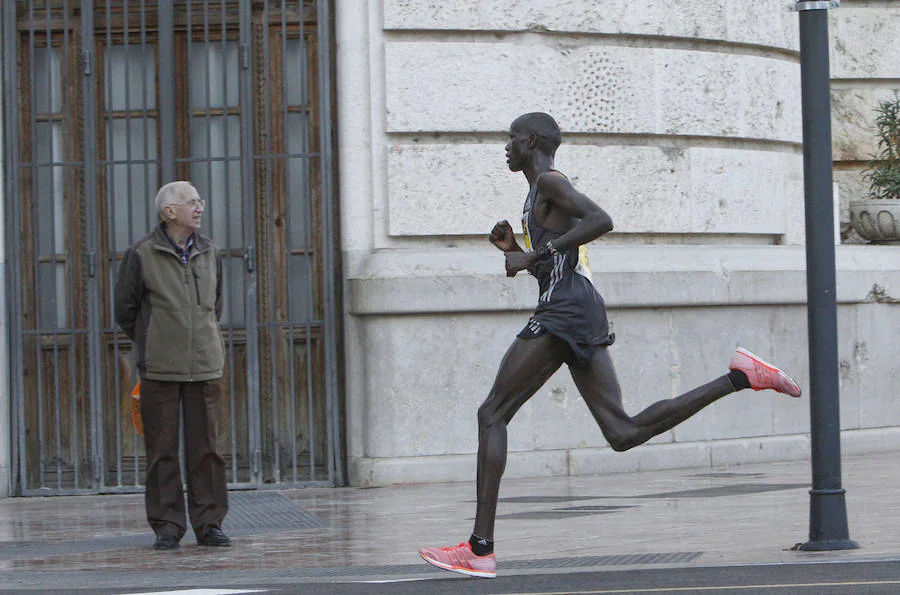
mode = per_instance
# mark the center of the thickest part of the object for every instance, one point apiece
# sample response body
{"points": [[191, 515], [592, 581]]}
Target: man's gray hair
{"points": [[170, 193]]}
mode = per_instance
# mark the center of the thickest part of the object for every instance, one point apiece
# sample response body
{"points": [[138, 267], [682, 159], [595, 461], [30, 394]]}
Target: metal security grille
{"points": [[108, 100]]}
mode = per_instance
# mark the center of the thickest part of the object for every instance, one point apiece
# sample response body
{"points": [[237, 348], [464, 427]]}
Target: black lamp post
{"points": [[828, 508]]}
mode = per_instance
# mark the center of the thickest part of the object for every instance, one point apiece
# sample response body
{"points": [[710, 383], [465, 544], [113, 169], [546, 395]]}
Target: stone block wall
{"points": [[865, 69], [656, 111], [684, 123]]}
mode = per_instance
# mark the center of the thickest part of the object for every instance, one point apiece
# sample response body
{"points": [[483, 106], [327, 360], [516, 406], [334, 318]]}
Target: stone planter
{"points": [[876, 219]]}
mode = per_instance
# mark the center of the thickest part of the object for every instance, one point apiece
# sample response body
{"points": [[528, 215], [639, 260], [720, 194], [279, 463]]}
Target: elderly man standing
{"points": [[168, 301]]}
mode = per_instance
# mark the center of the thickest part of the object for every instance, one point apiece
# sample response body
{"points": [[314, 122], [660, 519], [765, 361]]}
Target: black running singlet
{"points": [[569, 306]]}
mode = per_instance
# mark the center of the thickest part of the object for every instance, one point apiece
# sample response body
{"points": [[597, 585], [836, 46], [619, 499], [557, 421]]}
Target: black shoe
{"points": [[214, 538], [165, 542]]}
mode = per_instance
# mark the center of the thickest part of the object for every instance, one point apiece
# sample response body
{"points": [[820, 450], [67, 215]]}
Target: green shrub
{"points": [[883, 173]]}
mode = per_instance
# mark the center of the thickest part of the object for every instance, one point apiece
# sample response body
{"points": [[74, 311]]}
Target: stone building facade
{"points": [[683, 120]]}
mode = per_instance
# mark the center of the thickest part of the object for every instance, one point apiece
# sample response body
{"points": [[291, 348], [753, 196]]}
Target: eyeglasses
{"points": [[193, 204]]}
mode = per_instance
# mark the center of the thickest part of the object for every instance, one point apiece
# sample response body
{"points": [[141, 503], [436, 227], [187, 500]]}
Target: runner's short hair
{"points": [[543, 126]]}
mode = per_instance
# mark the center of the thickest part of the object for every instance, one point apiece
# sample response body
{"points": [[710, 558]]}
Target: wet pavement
{"points": [[734, 516]]}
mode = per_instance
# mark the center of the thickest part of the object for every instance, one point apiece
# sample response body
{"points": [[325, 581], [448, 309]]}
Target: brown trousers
{"points": [[161, 403]]}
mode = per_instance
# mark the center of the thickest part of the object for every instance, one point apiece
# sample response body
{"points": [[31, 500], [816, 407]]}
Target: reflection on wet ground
{"points": [[695, 514]]}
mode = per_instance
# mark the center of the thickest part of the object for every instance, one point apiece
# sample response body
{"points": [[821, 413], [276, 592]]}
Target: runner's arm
{"points": [[565, 199], [566, 203]]}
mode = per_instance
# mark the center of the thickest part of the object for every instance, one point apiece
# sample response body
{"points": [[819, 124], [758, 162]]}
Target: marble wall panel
{"points": [[767, 23], [478, 86], [864, 41], [440, 190]]}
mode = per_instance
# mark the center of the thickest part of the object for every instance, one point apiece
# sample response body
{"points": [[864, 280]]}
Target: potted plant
{"points": [[877, 216]]}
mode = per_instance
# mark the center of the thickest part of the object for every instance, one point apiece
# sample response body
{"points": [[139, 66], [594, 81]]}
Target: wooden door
{"points": [[75, 434]]}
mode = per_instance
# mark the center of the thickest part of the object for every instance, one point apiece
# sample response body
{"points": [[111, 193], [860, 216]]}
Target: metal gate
{"points": [[107, 100]]}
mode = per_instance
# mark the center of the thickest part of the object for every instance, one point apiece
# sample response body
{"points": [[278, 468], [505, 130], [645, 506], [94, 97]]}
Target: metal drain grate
{"points": [[612, 560], [265, 512], [547, 563], [249, 513]]}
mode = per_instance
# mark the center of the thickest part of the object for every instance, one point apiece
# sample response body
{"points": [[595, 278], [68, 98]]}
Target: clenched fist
{"points": [[502, 236]]}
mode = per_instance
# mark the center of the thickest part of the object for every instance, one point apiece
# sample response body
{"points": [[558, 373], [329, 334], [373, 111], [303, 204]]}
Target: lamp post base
{"points": [[828, 545], [828, 521]]}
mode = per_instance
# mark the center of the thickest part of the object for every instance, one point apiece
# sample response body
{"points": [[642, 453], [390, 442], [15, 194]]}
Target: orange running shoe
{"points": [[461, 559], [761, 374]]}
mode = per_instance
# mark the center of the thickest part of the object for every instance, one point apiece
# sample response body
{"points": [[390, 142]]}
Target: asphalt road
{"points": [[838, 578]]}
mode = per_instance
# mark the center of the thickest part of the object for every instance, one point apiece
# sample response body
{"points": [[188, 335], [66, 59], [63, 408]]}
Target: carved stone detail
{"points": [[877, 220]]}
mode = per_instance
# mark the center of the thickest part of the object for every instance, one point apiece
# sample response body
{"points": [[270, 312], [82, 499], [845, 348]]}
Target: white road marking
{"points": [[202, 592], [394, 580]]}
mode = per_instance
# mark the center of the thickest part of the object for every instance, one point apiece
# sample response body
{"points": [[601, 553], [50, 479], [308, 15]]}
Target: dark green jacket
{"points": [[171, 310]]}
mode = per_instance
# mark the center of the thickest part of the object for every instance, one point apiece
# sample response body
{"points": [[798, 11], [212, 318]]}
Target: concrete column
{"points": [[355, 189]]}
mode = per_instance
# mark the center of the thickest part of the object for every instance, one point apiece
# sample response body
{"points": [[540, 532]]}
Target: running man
{"points": [[569, 326]]}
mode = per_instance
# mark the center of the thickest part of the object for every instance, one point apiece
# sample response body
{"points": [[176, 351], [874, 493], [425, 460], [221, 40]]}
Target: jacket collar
{"points": [[161, 242]]}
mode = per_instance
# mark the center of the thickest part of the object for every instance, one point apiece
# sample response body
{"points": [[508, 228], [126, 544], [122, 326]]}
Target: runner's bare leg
{"points": [[527, 365], [599, 387]]}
